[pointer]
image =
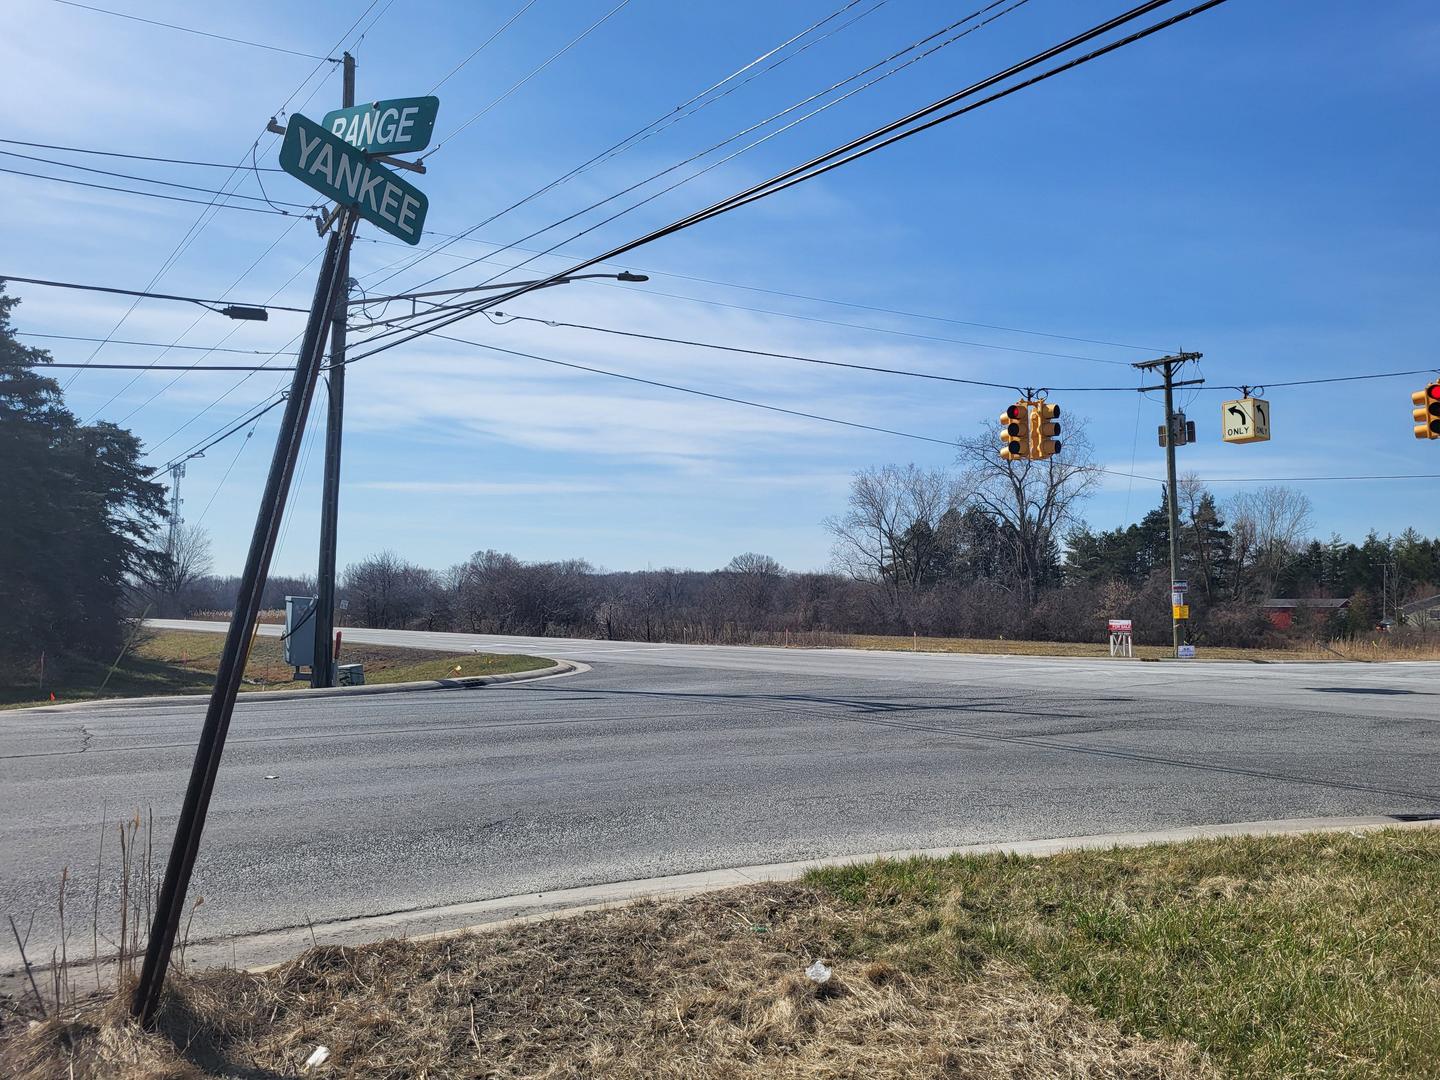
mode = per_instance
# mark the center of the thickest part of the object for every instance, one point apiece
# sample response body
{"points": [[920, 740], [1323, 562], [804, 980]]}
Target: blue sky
{"points": [[1257, 184]]}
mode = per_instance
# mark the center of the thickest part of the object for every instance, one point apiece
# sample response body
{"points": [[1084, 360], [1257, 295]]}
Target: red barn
{"points": [[1281, 613]]}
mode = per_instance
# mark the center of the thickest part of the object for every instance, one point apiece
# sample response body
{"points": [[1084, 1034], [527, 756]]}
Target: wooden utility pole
{"points": [[186, 846], [1168, 365], [322, 668]]}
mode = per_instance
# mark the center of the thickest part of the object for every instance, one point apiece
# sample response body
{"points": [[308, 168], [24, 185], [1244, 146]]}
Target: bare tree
{"points": [[890, 534], [753, 583], [187, 560], [389, 592], [1267, 527], [754, 564], [1030, 501]]}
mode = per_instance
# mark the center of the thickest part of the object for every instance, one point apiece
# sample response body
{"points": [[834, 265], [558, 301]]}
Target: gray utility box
{"points": [[300, 631], [350, 675]]}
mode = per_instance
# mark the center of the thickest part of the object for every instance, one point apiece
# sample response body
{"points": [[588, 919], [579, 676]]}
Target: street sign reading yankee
{"points": [[341, 172]]}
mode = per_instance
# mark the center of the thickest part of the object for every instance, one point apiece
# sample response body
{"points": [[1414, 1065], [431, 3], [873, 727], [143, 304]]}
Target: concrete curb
{"points": [[560, 667], [269, 948]]}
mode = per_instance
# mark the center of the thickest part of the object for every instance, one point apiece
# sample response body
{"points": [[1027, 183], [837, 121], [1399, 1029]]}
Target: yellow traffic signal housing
{"points": [[1015, 432], [1043, 430], [1427, 412]]}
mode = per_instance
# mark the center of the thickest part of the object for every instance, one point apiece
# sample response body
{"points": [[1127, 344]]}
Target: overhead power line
{"points": [[1315, 479], [743, 401], [779, 292], [878, 309], [666, 119], [883, 329], [754, 352], [138, 157], [192, 30], [691, 390], [987, 10], [530, 75], [144, 344], [503, 318], [168, 367], [885, 135], [1257, 384], [208, 213], [482, 46], [153, 180], [144, 294], [251, 415], [162, 389], [208, 203]]}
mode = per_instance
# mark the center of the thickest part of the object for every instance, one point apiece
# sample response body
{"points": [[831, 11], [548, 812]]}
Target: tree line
{"points": [[993, 553], [985, 548]]}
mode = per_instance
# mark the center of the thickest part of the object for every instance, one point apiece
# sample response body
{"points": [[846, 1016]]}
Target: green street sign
{"points": [[339, 171], [398, 126]]}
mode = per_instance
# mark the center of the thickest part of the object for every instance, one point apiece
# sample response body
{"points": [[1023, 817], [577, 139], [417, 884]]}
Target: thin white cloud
{"points": [[484, 487]]}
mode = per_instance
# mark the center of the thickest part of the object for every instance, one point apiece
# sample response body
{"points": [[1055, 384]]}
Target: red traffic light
{"points": [[1433, 391], [1017, 412]]}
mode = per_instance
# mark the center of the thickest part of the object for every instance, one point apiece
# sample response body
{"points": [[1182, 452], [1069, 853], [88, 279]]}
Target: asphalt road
{"points": [[672, 759]]}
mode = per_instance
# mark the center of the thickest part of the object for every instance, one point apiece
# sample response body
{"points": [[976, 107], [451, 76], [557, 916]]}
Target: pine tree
{"points": [[78, 516]]}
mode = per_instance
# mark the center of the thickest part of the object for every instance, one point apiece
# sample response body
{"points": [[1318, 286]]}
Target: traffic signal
{"points": [[1015, 432], [1427, 412], [1043, 429]]}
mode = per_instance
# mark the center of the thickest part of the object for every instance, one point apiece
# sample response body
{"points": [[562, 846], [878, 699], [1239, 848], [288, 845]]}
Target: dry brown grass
{"points": [[199, 651], [1367, 650], [709, 987]]}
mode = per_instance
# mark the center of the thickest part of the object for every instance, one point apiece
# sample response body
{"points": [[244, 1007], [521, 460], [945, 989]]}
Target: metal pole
{"points": [[191, 824], [177, 473], [322, 669], [1171, 501]]}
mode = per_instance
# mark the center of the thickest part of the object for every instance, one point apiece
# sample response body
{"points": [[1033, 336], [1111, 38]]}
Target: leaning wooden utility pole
{"points": [[188, 829], [343, 170]]}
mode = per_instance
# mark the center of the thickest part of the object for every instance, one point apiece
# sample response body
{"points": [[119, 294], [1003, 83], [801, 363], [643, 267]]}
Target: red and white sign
{"points": [[1122, 626]]}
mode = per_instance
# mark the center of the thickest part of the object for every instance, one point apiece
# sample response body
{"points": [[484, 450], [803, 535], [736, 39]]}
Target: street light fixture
{"points": [[250, 314]]}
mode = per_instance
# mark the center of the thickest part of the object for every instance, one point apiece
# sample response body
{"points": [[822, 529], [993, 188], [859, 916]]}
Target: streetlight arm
{"points": [[368, 300], [623, 276]]}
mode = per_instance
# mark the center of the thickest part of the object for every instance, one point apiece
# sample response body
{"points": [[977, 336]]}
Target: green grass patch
{"points": [[1314, 955], [185, 662]]}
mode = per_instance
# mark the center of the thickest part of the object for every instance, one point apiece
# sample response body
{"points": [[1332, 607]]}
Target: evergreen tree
{"points": [[78, 516], [1205, 545]]}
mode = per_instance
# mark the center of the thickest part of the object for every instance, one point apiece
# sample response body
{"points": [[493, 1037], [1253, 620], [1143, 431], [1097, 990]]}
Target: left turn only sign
{"points": [[341, 172]]}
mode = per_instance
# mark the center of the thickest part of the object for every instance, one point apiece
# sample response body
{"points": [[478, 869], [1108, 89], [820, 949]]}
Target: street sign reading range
{"points": [[397, 126], [341, 172]]}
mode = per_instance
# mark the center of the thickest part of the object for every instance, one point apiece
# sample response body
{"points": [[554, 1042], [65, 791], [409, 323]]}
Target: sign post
{"points": [[1121, 637], [171, 899], [360, 188]]}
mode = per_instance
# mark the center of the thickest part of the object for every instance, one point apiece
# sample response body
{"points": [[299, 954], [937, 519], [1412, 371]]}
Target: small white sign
{"points": [[1121, 626], [1186, 652]]}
